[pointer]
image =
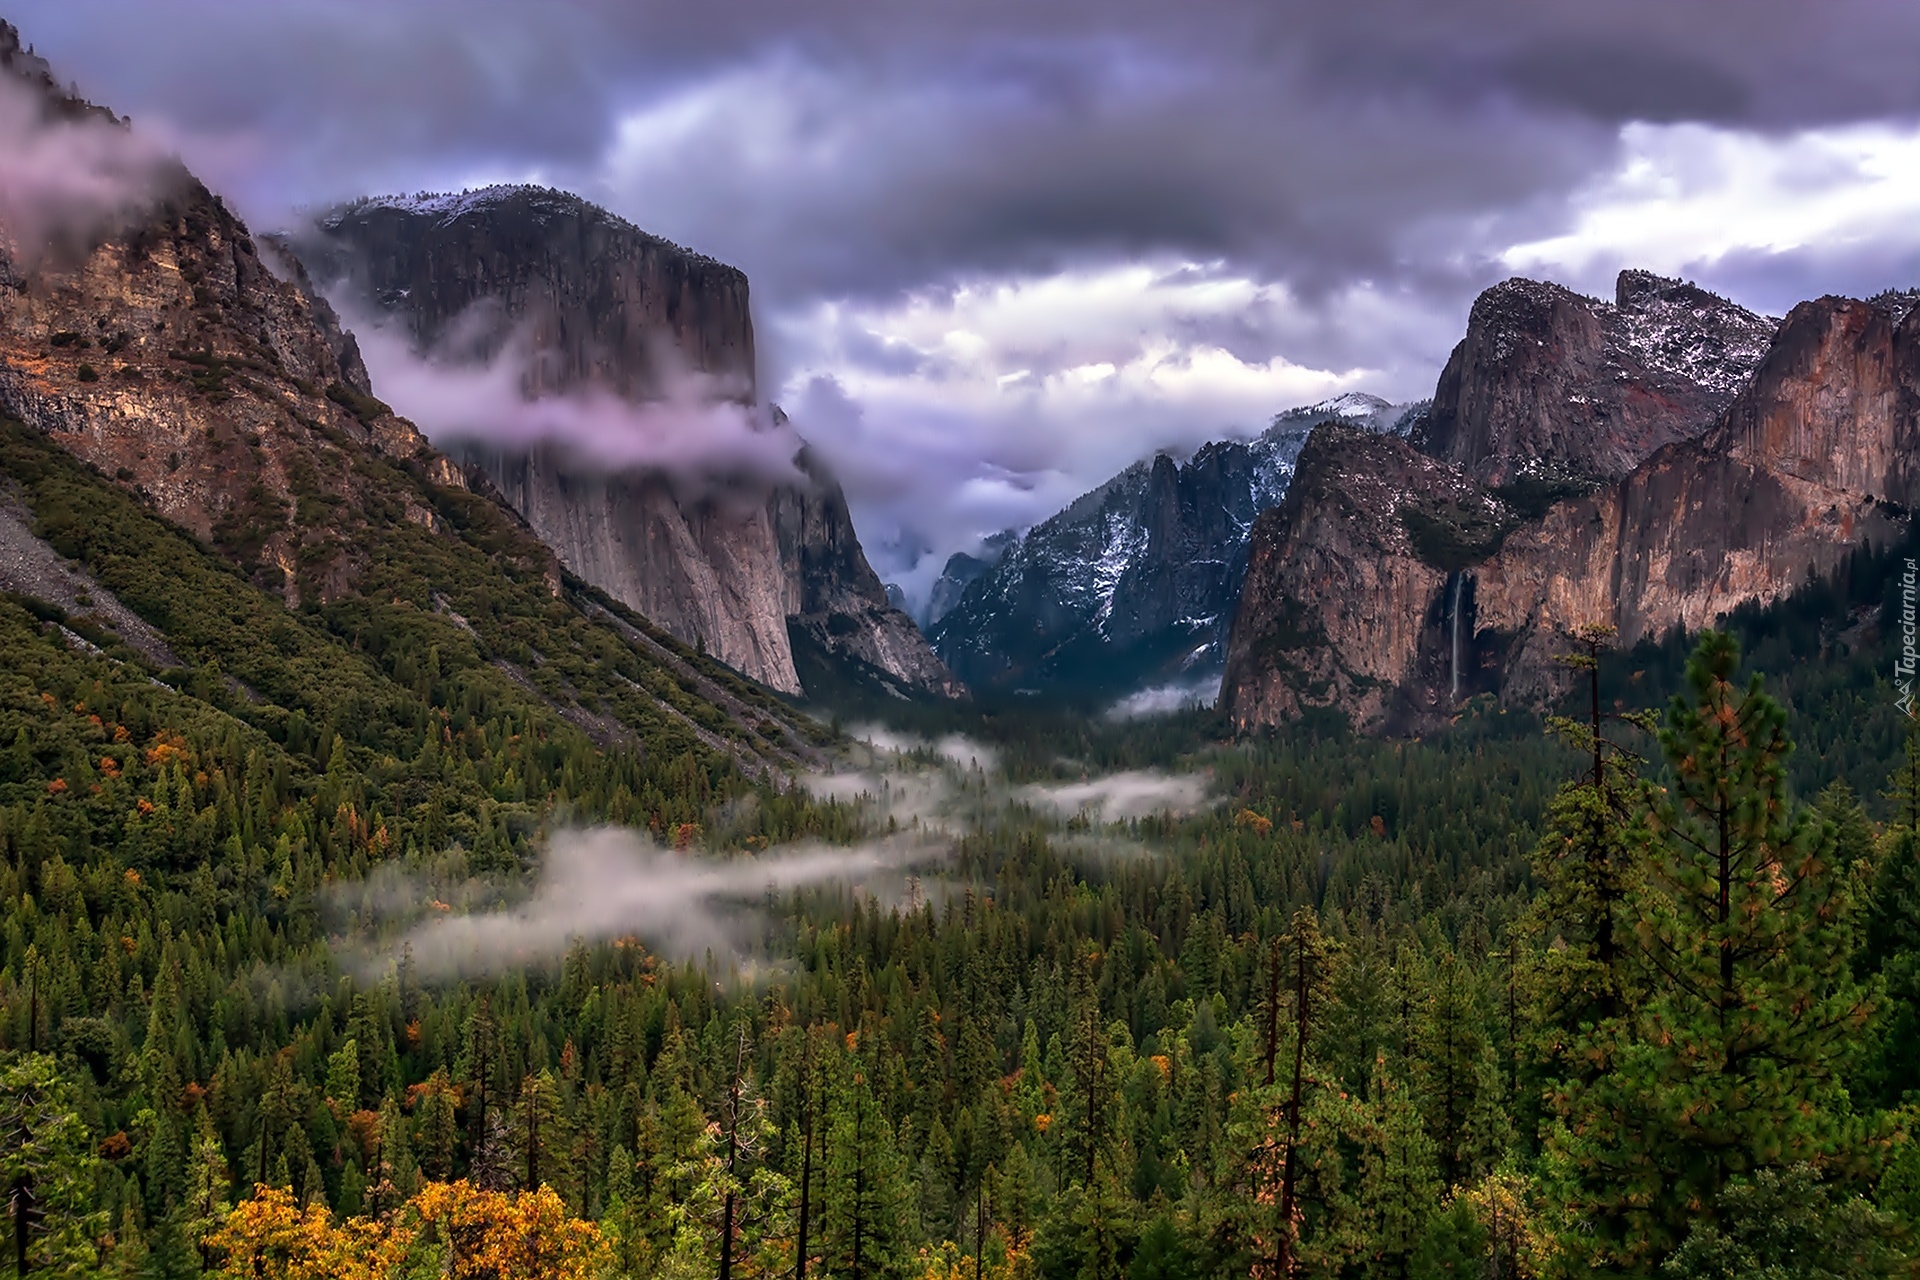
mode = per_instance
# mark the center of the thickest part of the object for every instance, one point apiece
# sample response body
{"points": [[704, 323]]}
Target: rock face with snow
{"points": [[599, 304], [1401, 584], [1135, 581], [1550, 386]]}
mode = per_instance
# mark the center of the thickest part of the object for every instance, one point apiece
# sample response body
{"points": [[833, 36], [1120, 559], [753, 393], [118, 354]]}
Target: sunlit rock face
{"points": [[584, 301], [168, 349], [1398, 584]]}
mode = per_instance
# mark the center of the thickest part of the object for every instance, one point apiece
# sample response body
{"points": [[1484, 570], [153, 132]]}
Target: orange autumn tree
{"points": [[448, 1229]]}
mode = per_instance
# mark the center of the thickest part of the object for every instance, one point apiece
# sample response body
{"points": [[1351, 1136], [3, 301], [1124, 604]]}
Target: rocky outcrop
{"points": [[962, 570], [1353, 580], [1813, 455], [833, 594], [1550, 387], [168, 354], [1136, 581], [598, 303], [153, 338]]}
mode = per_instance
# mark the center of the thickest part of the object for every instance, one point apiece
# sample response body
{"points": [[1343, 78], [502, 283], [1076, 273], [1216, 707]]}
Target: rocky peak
{"points": [[962, 569], [1551, 387], [159, 345], [1342, 579], [584, 300], [602, 301], [34, 71], [1392, 585]]}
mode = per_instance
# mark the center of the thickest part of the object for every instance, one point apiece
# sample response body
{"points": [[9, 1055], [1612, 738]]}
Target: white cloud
{"points": [[1686, 196], [698, 430], [1118, 797], [1164, 699], [952, 413], [69, 178], [607, 883]]}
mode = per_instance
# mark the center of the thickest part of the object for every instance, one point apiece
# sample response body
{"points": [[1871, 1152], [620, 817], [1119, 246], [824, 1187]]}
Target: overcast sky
{"points": [[999, 248]]}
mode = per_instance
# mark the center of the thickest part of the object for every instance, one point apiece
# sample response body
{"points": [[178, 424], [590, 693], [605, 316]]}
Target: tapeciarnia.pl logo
{"points": [[1903, 668]]}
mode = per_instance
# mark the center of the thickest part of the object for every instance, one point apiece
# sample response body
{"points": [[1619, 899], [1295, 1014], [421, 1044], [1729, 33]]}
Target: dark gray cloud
{"points": [[1365, 166], [906, 143]]}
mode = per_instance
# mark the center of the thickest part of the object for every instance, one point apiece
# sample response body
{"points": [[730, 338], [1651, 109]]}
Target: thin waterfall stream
{"points": [[1458, 577]]}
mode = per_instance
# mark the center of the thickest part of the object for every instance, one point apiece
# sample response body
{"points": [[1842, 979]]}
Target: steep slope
{"points": [[1137, 579], [167, 357], [1811, 457], [1349, 581], [598, 304]]}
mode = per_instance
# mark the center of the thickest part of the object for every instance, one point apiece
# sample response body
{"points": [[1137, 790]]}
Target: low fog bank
{"points": [[697, 430], [605, 883], [917, 798]]}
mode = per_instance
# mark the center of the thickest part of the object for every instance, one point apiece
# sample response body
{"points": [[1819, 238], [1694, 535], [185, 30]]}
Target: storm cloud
{"points": [[1313, 192]]}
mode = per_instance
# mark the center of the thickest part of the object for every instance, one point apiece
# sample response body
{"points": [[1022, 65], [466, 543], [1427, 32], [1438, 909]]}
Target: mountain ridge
{"points": [[1462, 578], [1135, 580]]}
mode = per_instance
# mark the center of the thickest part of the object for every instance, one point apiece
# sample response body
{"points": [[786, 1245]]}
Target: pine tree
{"points": [[865, 1228], [1450, 1044], [209, 1185], [439, 1127], [541, 1136], [1272, 1208], [1892, 943], [1733, 1058], [1398, 1189]]}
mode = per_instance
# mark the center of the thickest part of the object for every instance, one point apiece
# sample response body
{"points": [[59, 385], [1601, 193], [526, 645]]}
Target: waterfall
{"points": [[1458, 577]]}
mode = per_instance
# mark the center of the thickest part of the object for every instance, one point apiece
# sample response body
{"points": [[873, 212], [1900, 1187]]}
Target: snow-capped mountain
{"points": [[1135, 581]]}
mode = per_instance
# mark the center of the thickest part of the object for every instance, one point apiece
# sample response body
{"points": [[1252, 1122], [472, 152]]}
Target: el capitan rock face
{"points": [[602, 304], [1813, 455]]}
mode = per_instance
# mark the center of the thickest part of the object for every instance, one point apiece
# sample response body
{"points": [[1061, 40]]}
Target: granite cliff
{"points": [[166, 352], [599, 304], [1405, 578], [193, 368]]}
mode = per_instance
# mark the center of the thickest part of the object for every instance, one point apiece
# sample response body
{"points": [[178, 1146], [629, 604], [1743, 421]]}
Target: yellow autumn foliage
{"points": [[448, 1229]]}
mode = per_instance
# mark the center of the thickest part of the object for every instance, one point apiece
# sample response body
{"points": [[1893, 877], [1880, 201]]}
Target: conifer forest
{"points": [[1627, 990]]}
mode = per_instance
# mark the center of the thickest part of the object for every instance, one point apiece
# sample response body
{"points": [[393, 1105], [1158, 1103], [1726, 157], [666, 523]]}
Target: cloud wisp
{"points": [[1120, 797], [969, 780], [65, 178], [608, 883], [602, 884], [1165, 699], [696, 430]]}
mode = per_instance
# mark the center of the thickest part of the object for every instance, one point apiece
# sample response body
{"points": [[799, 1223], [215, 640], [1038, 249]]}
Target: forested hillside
{"points": [[1414, 1008]]}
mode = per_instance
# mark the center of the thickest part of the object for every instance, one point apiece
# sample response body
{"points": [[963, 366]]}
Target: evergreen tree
{"points": [[47, 1170], [865, 1227], [439, 1127], [1733, 1057], [1892, 944], [1398, 1189], [209, 1184]]}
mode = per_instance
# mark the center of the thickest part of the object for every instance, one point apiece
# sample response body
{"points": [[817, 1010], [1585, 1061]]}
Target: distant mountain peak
{"points": [[1136, 580]]}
